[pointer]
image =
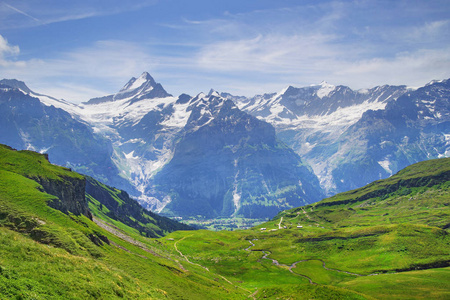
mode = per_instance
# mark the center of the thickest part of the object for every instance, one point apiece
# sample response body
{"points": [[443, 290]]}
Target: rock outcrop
{"points": [[70, 193]]}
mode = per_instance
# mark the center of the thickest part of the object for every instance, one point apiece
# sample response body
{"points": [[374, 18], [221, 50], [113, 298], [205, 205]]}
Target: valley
{"points": [[197, 150], [220, 161], [388, 238]]}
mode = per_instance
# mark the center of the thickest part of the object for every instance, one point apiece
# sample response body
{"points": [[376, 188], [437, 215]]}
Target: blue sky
{"points": [[80, 49]]}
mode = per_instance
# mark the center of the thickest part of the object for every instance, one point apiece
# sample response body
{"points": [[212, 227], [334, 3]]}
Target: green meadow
{"points": [[387, 240]]}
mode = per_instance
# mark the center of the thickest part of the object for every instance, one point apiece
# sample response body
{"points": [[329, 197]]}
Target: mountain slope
{"points": [[27, 123], [418, 194], [228, 163], [413, 128], [351, 138], [311, 119], [48, 254], [396, 228], [115, 206]]}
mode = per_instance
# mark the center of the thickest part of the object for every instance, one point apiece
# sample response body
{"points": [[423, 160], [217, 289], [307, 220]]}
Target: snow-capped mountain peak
{"points": [[213, 92], [47, 100], [137, 89], [17, 84], [324, 89], [135, 83]]}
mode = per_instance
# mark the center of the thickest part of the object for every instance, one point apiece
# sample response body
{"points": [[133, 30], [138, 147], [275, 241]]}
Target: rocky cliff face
{"points": [[228, 163], [70, 193], [67, 186]]}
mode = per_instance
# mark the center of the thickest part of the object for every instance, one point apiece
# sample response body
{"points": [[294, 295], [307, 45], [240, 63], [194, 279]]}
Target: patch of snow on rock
{"points": [[325, 89]]}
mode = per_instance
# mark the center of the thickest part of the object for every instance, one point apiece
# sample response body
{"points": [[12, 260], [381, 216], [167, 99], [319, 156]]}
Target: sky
{"points": [[77, 50]]}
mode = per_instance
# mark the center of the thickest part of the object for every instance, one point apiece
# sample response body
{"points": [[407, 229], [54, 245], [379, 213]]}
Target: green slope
{"points": [[47, 254], [395, 228], [116, 207], [391, 228], [419, 194]]}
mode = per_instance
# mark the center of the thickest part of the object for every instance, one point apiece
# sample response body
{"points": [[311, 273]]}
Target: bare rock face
{"points": [[228, 163], [70, 193]]}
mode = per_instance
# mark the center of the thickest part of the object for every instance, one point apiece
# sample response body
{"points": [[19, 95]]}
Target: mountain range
{"points": [[67, 236], [220, 155]]}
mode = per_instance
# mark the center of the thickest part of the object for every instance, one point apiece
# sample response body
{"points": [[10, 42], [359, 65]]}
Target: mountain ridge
{"points": [[141, 131]]}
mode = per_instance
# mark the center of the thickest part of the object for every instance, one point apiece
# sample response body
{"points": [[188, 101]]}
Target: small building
{"points": [[263, 228], [299, 226]]}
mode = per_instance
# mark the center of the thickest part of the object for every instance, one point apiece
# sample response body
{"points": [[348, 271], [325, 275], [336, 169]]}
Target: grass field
{"points": [[390, 241]]}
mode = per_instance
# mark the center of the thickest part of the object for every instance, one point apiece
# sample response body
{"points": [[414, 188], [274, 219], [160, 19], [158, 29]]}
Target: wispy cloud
{"points": [[355, 43], [20, 12], [81, 73], [270, 53], [415, 69], [54, 11], [342, 42]]}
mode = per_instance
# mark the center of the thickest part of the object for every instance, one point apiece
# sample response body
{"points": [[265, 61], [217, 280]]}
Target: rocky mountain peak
{"points": [[136, 89], [213, 92], [145, 80], [16, 84]]}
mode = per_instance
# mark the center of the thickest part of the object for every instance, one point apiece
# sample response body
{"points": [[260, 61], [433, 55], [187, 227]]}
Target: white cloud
{"points": [[38, 13], [81, 73], [6, 50], [270, 53], [414, 69]]}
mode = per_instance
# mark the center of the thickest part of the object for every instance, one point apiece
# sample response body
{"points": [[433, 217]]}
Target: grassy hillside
{"points": [[116, 207], [396, 229], [46, 254], [387, 240], [418, 194]]}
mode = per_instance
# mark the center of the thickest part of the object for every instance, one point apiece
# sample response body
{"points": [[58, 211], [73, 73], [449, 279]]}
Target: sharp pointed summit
{"points": [[213, 92], [136, 89], [145, 80]]}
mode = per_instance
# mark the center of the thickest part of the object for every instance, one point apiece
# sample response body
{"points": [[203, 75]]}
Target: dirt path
{"points": [[279, 224], [193, 263], [251, 245], [185, 257]]}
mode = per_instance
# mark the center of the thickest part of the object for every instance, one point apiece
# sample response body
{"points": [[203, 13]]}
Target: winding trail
{"points": [[193, 263], [187, 259], [279, 224]]}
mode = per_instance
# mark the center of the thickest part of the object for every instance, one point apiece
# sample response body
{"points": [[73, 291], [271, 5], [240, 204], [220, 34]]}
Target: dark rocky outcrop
{"points": [[70, 193]]}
